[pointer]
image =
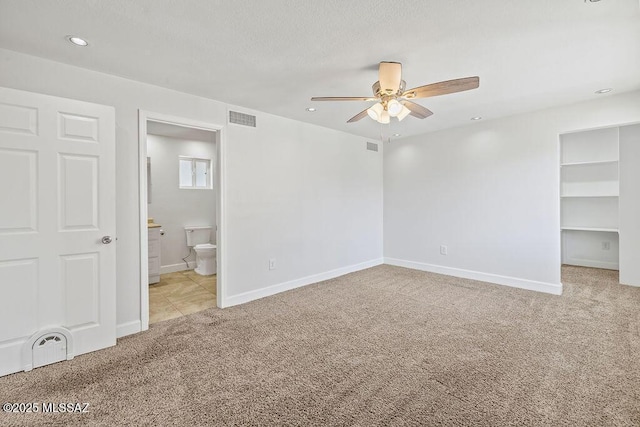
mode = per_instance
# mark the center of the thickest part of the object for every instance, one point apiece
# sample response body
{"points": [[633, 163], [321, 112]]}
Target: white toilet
{"points": [[198, 238]]}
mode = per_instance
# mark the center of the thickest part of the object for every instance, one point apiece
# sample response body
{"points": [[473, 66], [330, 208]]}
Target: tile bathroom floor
{"points": [[180, 293]]}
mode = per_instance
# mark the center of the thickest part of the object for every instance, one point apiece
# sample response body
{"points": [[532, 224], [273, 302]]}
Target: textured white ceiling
{"points": [[273, 55]]}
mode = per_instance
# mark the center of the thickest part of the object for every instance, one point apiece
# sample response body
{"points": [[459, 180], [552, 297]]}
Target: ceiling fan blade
{"points": [[443, 88], [360, 115], [417, 110], [342, 98], [390, 76]]}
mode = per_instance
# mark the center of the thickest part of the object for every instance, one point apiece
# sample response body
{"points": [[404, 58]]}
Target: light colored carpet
{"points": [[384, 346]]}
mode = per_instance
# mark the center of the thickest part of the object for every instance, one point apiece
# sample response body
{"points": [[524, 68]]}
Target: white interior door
{"points": [[57, 198]]}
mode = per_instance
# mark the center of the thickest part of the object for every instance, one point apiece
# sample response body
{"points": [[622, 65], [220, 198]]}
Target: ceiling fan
{"points": [[394, 101]]}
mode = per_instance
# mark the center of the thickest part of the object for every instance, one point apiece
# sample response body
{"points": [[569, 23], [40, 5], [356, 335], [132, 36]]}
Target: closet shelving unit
{"points": [[589, 198]]}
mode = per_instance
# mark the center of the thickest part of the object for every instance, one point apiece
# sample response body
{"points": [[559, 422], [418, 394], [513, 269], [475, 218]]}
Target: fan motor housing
{"points": [[378, 93]]}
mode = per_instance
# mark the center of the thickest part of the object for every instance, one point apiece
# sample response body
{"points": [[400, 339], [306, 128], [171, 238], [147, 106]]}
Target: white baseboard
{"points": [[172, 268], [630, 284], [592, 263], [128, 328], [11, 357], [297, 283], [532, 285]]}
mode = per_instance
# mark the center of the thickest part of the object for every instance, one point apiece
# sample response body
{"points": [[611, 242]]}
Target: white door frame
{"points": [[220, 186]]}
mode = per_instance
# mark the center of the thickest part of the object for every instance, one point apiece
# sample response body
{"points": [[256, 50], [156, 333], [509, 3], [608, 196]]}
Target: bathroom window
{"points": [[195, 173]]}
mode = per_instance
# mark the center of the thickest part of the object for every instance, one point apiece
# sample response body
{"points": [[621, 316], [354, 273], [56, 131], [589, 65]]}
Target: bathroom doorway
{"points": [[181, 221]]}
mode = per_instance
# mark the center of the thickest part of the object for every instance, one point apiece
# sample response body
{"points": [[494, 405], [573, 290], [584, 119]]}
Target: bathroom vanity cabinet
{"points": [[154, 253]]}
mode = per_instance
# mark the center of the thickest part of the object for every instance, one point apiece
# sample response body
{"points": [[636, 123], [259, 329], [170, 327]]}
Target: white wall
{"points": [[309, 196], [585, 248], [174, 208], [490, 192], [630, 205]]}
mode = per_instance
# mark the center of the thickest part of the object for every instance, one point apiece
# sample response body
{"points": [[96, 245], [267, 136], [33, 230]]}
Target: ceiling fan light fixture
{"points": [[375, 112], [384, 118], [394, 107], [403, 113], [392, 100]]}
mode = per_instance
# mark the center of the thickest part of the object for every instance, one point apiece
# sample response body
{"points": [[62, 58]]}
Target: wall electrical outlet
{"points": [[443, 250], [606, 246], [272, 264]]}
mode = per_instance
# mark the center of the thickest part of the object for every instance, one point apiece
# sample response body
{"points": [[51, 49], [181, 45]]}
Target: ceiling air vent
{"points": [[372, 147], [242, 119]]}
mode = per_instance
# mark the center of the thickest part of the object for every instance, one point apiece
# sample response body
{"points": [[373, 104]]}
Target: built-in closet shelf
{"points": [[597, 162], [587, 196], [606, 230]]}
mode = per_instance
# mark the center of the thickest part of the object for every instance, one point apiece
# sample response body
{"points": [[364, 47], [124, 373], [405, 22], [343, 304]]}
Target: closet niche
{"points": [[599, 204]]}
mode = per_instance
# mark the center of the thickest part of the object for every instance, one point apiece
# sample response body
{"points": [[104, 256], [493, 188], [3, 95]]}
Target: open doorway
{"points": [[181, 244]]}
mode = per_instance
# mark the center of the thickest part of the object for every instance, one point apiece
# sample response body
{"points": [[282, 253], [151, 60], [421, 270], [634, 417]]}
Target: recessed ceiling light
{"points": [[77, 41], [311, 109], [476, 118], [607, 90], [397, 134]]}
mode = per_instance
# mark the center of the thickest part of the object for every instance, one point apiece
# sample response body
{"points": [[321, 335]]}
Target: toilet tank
{"points": [[198, 235]]}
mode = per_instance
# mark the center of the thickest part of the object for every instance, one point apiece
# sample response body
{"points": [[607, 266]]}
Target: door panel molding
{"points": [[57, 172]]}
